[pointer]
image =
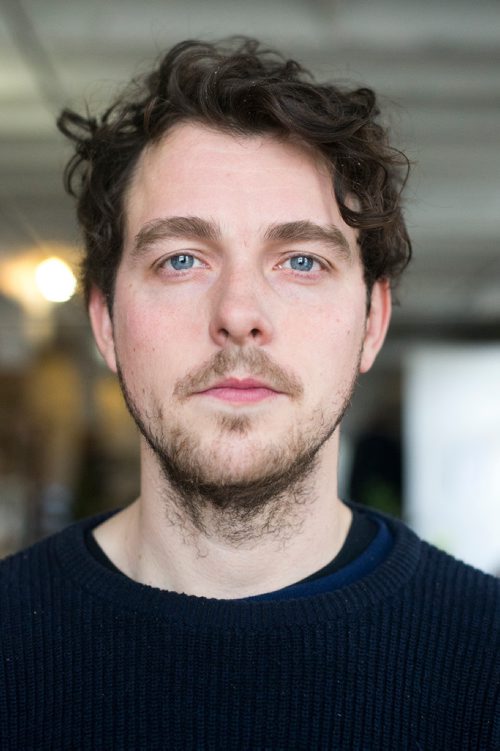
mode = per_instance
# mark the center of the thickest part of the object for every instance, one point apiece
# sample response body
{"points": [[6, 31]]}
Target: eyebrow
{"points": [[174, 227], [306, 231], [201, 229]]}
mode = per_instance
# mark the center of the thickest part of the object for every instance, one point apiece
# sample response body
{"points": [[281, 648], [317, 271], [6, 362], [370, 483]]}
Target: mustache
{"points": [[254, 362]]}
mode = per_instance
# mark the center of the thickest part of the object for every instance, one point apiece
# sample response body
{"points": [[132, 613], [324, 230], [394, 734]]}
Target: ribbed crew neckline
{"points": [[386, 580]]}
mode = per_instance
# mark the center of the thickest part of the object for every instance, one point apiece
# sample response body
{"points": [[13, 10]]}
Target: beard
{"points": [[203, 486]]}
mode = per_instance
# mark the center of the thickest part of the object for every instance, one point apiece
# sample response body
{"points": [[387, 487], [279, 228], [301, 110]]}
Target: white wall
{"points": [[452, 449]]}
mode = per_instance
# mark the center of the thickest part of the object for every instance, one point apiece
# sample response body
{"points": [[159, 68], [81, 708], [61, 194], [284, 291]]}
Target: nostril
{"points": [[255, 333]]}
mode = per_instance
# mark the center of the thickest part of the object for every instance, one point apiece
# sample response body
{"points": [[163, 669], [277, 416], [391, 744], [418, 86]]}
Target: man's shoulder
{"points": [[458, 575], [30, 573], [437, 576], [30, 566], [72, 533], [446, 584], [26, 554], [20, 563], [26, 580]]}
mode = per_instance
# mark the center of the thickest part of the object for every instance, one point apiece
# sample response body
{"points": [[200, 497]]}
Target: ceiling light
{"points": [[55, 280]]}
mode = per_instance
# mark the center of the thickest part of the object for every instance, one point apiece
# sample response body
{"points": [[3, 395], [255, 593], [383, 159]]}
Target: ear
{"points": [[102, 326], [377, 323]]}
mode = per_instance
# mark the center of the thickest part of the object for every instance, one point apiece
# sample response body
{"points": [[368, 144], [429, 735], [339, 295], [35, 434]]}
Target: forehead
{"points": [[242, 182]]}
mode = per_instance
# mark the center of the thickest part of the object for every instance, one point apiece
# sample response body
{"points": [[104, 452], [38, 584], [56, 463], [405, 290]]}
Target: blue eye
{"points": [[302, 263], [182, 261]]}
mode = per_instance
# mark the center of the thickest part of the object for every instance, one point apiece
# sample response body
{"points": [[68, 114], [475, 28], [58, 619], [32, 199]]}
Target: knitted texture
{"points": [[405, 658]]}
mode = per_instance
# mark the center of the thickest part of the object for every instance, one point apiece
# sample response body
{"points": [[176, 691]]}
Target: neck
{"points": [[154, 542]]}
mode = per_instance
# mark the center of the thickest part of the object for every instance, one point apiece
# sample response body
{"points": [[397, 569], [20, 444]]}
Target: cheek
{"points": [[327, 345], [323, 329], [157, 344]]}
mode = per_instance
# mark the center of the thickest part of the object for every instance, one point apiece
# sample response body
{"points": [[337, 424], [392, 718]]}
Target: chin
{"points": [[230, 463]]}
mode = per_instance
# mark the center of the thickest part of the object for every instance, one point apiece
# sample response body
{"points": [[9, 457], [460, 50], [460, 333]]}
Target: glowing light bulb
{"points": [[55, 280]]}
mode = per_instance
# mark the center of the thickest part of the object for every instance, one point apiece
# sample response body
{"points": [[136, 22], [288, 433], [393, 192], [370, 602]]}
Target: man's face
{"points": [[239, 316]]}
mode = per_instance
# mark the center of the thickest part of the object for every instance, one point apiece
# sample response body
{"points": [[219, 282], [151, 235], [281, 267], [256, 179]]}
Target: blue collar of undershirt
{"points": [[374, 554]]}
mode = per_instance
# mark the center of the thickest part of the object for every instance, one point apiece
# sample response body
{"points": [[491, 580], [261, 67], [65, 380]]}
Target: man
{"points": [[243, 227]]}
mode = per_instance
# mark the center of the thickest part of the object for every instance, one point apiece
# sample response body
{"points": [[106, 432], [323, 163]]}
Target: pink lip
{"points": [[244, 390]]}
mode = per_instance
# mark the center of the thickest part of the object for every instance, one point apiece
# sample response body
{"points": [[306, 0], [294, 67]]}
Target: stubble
{"points": [[199, 491]]}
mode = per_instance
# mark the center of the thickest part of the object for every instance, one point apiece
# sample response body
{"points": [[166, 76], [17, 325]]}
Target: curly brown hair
{"points": [[238, 87]]}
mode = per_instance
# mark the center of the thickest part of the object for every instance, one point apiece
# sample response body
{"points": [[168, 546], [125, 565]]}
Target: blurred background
{"points": [[422, 439]]}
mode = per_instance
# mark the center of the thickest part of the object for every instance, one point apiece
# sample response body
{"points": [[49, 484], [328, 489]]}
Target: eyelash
{"points": [[313, 258], [178, 255], [308, 256]]}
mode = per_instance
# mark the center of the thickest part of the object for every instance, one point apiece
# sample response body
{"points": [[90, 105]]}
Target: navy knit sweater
{"points": [[405, 658]]}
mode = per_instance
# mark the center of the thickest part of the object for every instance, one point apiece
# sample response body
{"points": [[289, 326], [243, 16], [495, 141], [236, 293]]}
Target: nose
{"points": [[240, 310]]}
